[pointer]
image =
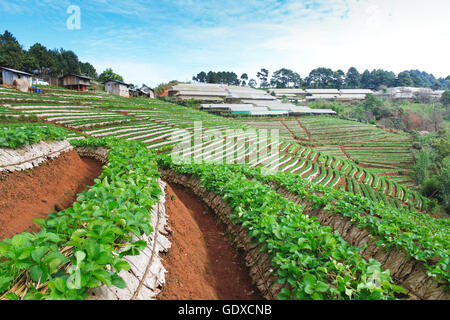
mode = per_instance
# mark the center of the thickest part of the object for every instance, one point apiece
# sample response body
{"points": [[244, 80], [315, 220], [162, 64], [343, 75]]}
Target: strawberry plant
{"points": [[312, 260], [94, 235], [15, 136]]}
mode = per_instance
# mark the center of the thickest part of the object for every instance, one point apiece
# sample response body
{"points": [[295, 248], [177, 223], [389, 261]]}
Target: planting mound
{"points": [[51, 187], [201, 263]]}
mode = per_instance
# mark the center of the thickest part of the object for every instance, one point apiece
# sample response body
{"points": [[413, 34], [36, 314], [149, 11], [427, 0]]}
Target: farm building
{"points": [[409, 93], [291, 94], [239, 94], [354, 94], [118, 88], [147, 91], [319, 94], [76, 82], [272, 108], [144, 91], [217, 92], [197, 91], [9, 75]]}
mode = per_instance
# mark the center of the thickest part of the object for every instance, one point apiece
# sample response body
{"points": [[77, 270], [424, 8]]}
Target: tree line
{"points": [[52, 62], [323, 78]]}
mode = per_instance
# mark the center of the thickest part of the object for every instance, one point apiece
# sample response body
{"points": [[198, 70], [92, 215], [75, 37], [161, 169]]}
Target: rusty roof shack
{"points": [[8, 76], [118, 88], [76, 82], [144, 91]]}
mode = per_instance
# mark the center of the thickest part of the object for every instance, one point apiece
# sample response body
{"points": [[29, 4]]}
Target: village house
{"points": [[321, 94], [145, 92], [76, 82], [9, 75], [149, 92], [118, 88], [290, 94]]}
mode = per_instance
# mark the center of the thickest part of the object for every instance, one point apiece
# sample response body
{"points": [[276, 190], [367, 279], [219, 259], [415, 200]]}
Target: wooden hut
{"points": [[9, 75], [76, 82], [118, 88]]}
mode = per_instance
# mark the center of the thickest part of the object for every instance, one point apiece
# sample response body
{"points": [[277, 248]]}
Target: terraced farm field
{"points": [[162, 125], [380, 224], [385, 153]]}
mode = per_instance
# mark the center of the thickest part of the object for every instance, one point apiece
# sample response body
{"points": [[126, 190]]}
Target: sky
{"points": [[157, 41]]}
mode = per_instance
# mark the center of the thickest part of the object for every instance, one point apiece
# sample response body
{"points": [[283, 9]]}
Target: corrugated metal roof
{"points": [[200, 93], [16, 71], [288, 91], [268, 113], [323, 111], [324, 91], [117, 81], [355, 91]]}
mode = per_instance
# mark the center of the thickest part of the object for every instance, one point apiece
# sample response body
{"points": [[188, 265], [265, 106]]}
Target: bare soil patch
{"points": [[51, 187], [201, 264]]}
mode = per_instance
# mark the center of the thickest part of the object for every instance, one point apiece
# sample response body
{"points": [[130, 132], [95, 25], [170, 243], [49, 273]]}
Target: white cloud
{"points": [[160, 41]]}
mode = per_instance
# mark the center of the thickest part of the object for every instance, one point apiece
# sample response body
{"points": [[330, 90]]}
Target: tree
{"points": [[46, 61], [201, 77], [88, 70], [244, 79], [404, 80], [445, 99], [366, 80], [263, 76], [321, 78], [280, 78], [338, 79], [108, 75], [353, 78], [11, 53], [435, 119], [222, 77], [285, 78], [417, 82], [252, 83]]}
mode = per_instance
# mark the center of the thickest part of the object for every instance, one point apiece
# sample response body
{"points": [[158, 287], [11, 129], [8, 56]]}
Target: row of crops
{"points": [[310, 259], [363, 144], [160, 125], [83, 247], [307, 262]]}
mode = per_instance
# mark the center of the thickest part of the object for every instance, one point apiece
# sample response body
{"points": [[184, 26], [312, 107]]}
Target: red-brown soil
{"points": [[51, 187], [201, 263]]}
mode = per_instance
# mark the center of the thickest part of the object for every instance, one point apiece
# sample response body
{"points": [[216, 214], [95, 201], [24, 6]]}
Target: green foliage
{"points": [[315, 262], [333, 105], [430, 187], [432, 168], [445, 99], [99, 228], [38, 57], [322, 78], [285, 78], [17, 136], [222, 77], [404, 80], [422, 237], [109, 75], [353, 78]]}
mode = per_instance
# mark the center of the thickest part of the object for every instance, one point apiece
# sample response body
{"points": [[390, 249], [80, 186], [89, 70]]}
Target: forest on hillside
{"points": [[323, 78]]}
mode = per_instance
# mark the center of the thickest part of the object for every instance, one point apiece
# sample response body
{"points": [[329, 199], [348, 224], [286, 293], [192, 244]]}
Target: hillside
{"points": [[292, 211]]}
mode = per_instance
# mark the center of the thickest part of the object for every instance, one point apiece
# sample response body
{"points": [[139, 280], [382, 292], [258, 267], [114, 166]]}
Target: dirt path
{"points": [[201, 264], [308, 134], [51, 187]]}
